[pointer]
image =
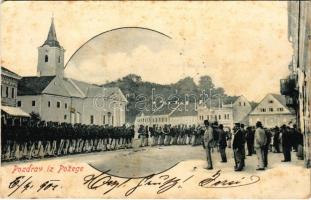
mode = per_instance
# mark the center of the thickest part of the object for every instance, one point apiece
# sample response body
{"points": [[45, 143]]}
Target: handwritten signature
{"points": [[162, 182]]}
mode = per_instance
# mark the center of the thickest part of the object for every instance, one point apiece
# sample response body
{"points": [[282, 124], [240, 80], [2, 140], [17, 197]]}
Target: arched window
{"points": [[58, 59], [46, 58]]}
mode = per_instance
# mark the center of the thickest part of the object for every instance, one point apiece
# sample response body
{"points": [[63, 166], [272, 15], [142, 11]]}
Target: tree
{"points": [[206, 83]]}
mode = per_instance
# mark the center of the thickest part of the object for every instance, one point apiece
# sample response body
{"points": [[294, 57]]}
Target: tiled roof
{"points": [[33, 85]]}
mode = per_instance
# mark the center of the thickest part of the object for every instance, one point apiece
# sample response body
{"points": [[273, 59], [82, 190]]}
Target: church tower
{"points": [[51, 56]]}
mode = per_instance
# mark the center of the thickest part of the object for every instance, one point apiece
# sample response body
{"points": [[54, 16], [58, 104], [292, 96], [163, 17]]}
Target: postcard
{"points": [[155, 99]]}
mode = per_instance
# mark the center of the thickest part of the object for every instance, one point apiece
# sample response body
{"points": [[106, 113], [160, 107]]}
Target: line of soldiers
{"points": [[259, 140], [45, 139], [173, 135]]}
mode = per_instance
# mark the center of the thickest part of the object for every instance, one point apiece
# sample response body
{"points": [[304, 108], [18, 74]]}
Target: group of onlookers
{"points": [[259, 140]]}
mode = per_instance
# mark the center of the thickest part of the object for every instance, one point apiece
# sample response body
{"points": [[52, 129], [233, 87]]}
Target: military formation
{"points": [[48, 139], [173, 135]]}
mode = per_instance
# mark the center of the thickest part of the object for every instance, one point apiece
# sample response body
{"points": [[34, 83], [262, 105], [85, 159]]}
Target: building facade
{"points": [[272, 111], [60, 99], [222, 115], [181, 114], [9, 81], [297, 85], [9, 85], [227, 114]]}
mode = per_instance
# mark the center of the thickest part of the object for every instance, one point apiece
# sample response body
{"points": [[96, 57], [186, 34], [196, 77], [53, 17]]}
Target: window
{"points": [[12, 93], [244, 104], [92, 119], [280, 109], [19, 103], [58, 104], [262, 109], [65, 117], [112, 120], [49, 104], [270, 101], [7, 92], [270, 109], [104, 119], [240, 103], [33, 103], [46, 58], [58, 59], [65, 105]]}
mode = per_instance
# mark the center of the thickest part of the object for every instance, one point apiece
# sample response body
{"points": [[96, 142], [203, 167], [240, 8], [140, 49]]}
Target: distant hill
{"points": [[139, 92]]}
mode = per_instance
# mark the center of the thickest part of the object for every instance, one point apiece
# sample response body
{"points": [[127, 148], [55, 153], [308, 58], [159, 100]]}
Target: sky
{"points": [[243, 46]]}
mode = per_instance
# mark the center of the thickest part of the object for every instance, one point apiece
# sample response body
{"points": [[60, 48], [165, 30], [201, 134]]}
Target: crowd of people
{"points": [[47, 139], [259, 140]]}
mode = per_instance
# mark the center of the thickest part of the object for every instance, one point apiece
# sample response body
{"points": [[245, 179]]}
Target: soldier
{"points": [[207, 143], [174, 135], [146, 136], [155, 135], [166, 131], [141, 135], [237, 145], [161, 136], [194, 134], [222, 143], [260, 143], [131, 136]]}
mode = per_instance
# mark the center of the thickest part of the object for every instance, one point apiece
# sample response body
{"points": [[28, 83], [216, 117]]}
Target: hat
{"points": [[258, 124], [237, 124], [206, 122]]}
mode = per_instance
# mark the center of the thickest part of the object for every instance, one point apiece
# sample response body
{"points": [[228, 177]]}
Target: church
{"points": [[60, 99]]}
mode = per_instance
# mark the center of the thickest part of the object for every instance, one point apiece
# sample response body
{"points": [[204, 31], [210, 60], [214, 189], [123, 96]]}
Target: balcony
{"points": [[288, 86]]}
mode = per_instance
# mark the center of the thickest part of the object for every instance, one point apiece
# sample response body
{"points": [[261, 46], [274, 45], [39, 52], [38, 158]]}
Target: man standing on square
{"points": [[260, 142], [208, 142]]}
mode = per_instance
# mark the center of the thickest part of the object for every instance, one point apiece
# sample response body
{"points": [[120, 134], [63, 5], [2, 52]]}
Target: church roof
{"points": [[33, 85], [52, 39]]}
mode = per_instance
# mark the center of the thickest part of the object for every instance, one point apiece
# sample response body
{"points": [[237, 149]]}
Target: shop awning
{"points": [[14, 111]]}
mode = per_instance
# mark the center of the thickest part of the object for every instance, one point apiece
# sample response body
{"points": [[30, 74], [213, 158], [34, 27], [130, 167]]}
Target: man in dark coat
{"points": [[222, 143], [276, 140], [266, 147], [250, 141], [286, 143], [238, 145]]}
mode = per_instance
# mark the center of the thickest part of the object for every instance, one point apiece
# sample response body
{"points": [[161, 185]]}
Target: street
{"points": [[280, 180]]}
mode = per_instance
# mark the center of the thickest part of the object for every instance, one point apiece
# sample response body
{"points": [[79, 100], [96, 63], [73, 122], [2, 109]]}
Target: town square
{"points": [[191, 104]]}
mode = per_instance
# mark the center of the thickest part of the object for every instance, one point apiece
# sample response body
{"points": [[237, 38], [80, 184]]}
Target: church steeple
{"points": [[51, 55], [51, 40]]}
